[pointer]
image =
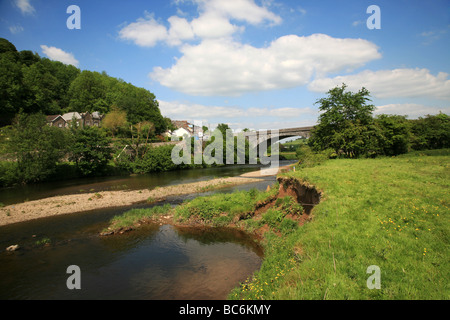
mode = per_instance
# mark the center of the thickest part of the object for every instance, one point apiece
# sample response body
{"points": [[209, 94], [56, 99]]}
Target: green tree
{"points": [[41, 89], [10, 87], [395, 134], [6, 46], [87, 93], [431, 132], [346, 123], [37, 147], [141, 105], [91, 150]]}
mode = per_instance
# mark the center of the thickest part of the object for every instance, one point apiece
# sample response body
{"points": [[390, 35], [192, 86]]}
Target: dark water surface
{"points": [[153, 262]]}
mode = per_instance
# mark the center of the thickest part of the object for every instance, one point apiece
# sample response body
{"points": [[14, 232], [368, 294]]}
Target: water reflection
{"points": [[154, 262]]}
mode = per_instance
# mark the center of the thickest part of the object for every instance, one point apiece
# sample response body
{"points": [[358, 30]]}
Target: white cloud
{"points": [[243, 10], [213, 25], [412, 110], [181, 111], [238, 117], [180, 30], [395, 83], [226, 67], [59, 55], [214, 21], [283, 113], [15, 29], [144, 32], [24, 6]]}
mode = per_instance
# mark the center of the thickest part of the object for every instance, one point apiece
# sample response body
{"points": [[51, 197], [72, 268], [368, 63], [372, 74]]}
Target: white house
{"points": [[180, 132]]}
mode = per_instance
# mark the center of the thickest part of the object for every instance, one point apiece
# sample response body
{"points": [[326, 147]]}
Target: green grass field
{"points": [[389, 212]]}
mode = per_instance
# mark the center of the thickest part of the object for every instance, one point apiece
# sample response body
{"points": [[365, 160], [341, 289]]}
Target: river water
{"points": [[158, 262]]}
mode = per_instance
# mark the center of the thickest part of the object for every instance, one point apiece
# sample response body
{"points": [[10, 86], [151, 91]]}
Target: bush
{"points": [[8, 174], [37, 147], [155, 160], [308, 158], [91, 151]]}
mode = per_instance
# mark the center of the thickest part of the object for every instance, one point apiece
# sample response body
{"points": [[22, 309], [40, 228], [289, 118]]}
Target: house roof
{"points": [[69, 116], [52, 118], [182, 124]]}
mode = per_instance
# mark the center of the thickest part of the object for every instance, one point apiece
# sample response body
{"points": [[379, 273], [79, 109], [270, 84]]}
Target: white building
{"points": [[180, 132]]}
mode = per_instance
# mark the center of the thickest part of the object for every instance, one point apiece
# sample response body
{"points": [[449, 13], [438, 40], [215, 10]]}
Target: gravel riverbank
{"points": [[89, 201]]}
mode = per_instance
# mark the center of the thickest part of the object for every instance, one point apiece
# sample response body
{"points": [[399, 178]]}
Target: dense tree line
{"points": [[348, 128], [34, 84]]}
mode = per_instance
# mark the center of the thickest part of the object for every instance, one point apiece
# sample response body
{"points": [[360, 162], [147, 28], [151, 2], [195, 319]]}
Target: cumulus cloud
{"points": [[24, 6], [226, 67], [180, 110], [237, 116], [412, 110], [407, 83], [214, 21], [59, 55], [144, 32], [244, 10]]}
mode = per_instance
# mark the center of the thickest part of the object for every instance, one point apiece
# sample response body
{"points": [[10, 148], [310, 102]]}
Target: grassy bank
{"points": [[387, 212]]}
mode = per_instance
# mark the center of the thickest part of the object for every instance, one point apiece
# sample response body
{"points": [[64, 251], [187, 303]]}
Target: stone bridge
{"points": [[275, 135]]}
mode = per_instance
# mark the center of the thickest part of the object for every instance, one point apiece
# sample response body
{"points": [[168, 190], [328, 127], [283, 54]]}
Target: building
{"points": [[181, 132], [96, 118], [85, 119], [56, 121], [182, 128], [73, 116]]}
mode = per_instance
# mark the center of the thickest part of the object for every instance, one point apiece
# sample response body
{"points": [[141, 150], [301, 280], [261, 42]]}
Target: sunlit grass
{"points": [[388, 212], [133, 216]]}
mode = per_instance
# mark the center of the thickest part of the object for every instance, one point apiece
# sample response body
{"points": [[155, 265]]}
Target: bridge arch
{"points": [[256, 138]]}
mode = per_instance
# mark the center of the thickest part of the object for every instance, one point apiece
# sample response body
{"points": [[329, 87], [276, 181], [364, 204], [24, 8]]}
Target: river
{"points": [[154, 262]]}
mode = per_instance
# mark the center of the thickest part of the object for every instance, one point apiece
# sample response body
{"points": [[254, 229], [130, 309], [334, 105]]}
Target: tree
{"points": [[431, 132], [6, 46], [87, 93], [395, 134], [140, 135], [37, 147], [345, 124], [10, 87], [90, 150], [114, 120], [40, 88], [141, 105]]}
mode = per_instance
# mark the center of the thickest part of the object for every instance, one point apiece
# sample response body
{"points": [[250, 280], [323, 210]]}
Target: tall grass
{"points": [[133, 216], [222, 208], [388, 212]]}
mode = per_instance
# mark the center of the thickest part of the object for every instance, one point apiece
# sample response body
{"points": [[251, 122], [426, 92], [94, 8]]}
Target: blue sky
{"points": [[259, 64]]}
